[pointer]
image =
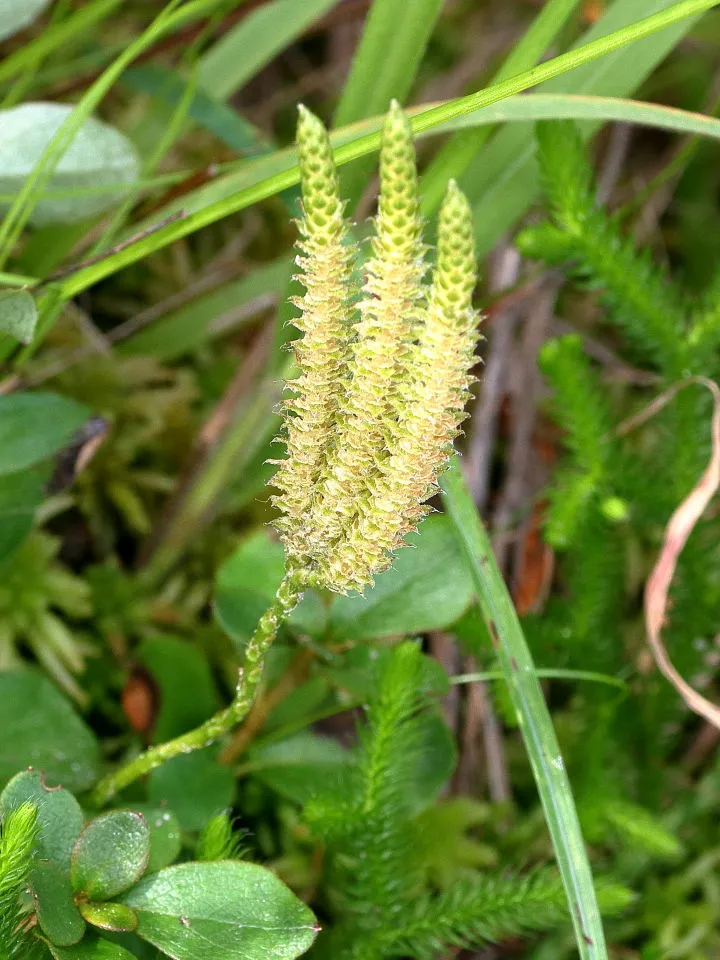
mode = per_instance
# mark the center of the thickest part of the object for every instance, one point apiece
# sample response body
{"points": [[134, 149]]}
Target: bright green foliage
{"points": [[241, 910], [230, 909], [17, 841], [57, 914], [609, 501], [68, 750], [110, 855], [378, 875], [34, 587], [581, 409], [218, 841], [638, 296], [59, 817]]}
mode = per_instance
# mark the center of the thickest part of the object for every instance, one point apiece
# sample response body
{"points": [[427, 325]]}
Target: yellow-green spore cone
{"points": [[325, 263], [389, 312], [432, 390]]}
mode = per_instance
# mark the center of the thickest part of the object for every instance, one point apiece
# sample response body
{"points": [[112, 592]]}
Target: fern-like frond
{"points": [[704, 333], [218, 841], [578, 402], [594, 576], [373, 867], [639, 298], [19, 830], [474, 911]]}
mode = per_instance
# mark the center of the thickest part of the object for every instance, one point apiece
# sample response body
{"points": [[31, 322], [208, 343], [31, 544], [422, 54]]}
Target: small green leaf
{"points": [[59, 816], [227, 908], [57, 914], [91, 948], [15, 15], [195, 787], [50, 737], [428, 588], [187, 694], [110, 855], [99, 156], [115, 917], [18, 314], [245, 587], [165, 836], [34, 426]]}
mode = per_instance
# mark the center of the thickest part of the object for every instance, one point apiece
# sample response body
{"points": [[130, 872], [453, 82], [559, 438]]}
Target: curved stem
{"points": [[287, 597]]}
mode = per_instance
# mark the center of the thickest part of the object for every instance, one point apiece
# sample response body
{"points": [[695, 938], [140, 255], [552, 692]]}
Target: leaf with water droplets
{"points": [[110, 855], [227, 908]]}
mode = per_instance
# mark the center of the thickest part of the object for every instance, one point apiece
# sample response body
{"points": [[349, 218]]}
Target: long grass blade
{"points": [[533, 716], [502, 181], [245, 49], [377, 77]]}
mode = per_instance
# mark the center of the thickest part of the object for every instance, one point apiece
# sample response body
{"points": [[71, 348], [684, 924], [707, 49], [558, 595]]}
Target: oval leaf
{"points": [[50, 737], [60, 819], [18, 314], [99, 156], [34, 426], [115, 917], [15, 15], [57, 914], [91, 948], [110, 855], [428, 588], [228, 909]]}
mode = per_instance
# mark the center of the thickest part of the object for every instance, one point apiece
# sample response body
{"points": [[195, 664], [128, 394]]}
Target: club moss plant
{"points": [[384, 371]]}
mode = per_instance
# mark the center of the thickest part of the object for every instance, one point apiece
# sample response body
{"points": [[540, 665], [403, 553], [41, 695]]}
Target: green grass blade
{"points": [[527, 108], [174, 15], [245, 49], [279, 171], [54, 37], [533, 716], [559, 673], [503, 181], [454, 157], [378, 75]]}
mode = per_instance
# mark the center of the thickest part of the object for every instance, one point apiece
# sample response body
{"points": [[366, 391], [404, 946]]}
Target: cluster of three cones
{"points": [[384, 365]]}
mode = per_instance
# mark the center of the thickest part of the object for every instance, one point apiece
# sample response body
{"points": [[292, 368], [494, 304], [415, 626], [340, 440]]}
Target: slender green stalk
{"points": [[287, 597], [532, 714], [421, 121]]}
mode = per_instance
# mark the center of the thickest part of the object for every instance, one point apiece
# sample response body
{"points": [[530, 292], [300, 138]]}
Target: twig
{"points": [[678, 530]]}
